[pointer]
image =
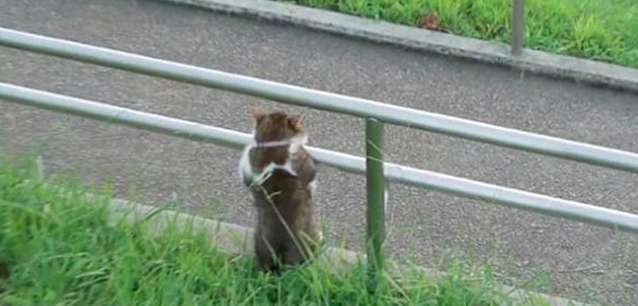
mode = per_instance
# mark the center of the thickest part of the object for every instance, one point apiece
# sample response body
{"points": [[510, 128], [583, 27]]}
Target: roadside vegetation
{"points": [[604, 30], [58, 247]]}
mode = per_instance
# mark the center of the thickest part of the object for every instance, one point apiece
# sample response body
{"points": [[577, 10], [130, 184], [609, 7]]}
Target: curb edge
{"points": [[548, 64]]}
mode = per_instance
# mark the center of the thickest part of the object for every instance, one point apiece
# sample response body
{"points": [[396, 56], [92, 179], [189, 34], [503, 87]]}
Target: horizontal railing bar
{"points": [[296, 95], [123, 116], [396, 173]]}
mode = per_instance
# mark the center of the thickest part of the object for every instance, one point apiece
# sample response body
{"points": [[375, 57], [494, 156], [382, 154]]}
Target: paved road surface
{"points": [[583, 261]]}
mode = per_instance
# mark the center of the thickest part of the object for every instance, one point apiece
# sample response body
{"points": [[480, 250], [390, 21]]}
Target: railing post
{"points": [[518, 26], [376, 199]]}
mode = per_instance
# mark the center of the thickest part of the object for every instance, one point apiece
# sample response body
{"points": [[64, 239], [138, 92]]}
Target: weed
{"points": [[59, 247], [596, 29]]}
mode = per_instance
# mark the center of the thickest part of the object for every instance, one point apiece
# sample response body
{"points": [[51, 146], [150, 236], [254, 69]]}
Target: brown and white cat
{"points": [[281, 176]]}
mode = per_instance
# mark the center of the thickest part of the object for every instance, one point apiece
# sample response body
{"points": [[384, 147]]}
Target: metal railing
{"points": [[374, 112], [300, 96], [518, 26]]}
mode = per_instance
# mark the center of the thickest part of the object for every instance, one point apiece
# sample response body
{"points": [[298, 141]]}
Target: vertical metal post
{"points": [[376, 198], [518, 26]]}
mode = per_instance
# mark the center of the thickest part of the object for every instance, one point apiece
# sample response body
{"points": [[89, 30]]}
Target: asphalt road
{"points": [[582, 261]]}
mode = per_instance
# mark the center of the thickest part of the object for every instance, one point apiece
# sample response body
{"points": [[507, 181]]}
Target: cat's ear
{"points": [[294, 122], [257, 114]]}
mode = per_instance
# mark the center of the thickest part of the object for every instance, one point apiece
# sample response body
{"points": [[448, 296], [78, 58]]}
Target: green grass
{"points": [[605, 30], [61, 249]]}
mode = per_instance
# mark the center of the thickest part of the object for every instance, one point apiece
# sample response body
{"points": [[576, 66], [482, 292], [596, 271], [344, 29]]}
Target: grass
{"points": [[602, 30], [59, 248]]}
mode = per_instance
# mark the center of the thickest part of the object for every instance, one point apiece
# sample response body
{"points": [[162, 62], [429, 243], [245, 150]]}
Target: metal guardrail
{"points": [[322, 100], [394, 173], [376, 114], [518, 26]]}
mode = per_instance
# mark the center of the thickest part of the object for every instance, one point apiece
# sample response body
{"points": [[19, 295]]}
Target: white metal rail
{"points": [[415, 177], [296, 95]]}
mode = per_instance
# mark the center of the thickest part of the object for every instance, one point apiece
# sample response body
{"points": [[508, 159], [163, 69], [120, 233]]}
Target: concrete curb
{"points": [[235, 239], [230, 238], [565, 67]]}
